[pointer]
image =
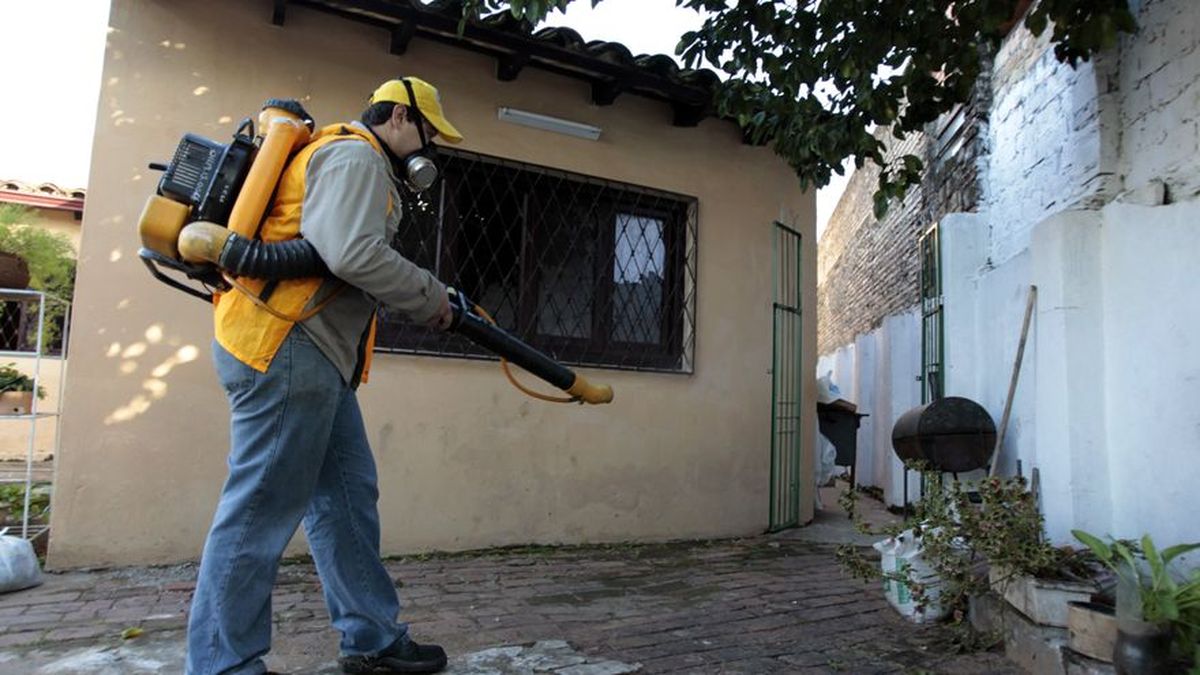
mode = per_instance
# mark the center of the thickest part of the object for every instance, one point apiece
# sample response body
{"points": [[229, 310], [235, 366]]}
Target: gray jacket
{"points": [[346, 217]]}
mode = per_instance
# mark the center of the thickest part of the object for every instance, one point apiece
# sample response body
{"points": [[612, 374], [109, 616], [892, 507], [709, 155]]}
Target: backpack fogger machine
{"points": [[200, 234]]}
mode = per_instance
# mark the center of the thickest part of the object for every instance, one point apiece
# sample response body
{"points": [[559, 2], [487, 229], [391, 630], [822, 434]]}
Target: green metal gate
{"points": [[787, 377], [933, 355]]}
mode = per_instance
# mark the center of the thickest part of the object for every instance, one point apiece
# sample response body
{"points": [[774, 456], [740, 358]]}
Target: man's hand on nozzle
{"points": [[443, 316]]}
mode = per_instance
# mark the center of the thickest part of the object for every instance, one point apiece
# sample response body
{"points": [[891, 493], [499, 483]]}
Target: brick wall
{"points": [[868, 269], [1160, 95], [1053, 139]]}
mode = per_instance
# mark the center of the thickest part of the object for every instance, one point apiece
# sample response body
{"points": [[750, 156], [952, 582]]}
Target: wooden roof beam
{"points": [[605, 92], [508, 66], [688, 115], [402, 34]]}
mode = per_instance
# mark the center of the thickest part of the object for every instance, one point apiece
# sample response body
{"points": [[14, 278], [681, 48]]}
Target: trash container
{"points": [[839, 422]]}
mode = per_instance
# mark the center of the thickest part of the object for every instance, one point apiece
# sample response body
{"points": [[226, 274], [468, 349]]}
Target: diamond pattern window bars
{"points": [[591, 271], [19, 327]]}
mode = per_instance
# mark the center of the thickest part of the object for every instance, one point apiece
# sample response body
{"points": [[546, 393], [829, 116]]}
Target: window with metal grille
{"points": [[19, 328], [591, 271]]}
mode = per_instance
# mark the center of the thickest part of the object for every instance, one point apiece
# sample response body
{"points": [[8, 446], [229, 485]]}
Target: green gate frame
{"points": [[787, 378], [933, 320]]}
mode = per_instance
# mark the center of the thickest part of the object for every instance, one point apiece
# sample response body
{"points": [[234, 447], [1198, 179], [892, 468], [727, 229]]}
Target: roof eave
{"points": [[515, 46], [42, 201]]}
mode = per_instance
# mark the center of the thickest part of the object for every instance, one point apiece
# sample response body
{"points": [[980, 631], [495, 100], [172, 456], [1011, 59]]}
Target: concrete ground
{"points": [[758, 605], [832, 525]]}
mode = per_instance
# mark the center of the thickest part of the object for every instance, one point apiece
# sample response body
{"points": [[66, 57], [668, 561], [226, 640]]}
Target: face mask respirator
{"points": [[420, 172]]}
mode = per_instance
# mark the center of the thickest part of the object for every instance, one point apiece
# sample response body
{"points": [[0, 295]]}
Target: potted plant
{"points": [[14, 271], [16, 391], [1036, 578], [1158, 616], [980, 538]]}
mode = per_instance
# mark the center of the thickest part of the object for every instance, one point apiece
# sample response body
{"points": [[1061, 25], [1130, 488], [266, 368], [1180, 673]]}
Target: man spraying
{"points": [[290, 367]]}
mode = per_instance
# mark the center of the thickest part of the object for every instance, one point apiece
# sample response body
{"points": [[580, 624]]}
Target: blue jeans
{"points": [[298, 450]]}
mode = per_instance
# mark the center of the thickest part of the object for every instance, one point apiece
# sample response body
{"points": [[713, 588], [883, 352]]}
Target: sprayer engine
{"points": [[207, 175], [200, 188], [203, 178]]}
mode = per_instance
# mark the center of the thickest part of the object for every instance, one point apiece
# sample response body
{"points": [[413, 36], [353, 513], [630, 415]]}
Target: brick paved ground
{"points": [[755, 606]]}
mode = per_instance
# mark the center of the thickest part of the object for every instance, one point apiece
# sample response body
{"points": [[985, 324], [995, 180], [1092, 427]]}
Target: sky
{"points": [[53, 52]]}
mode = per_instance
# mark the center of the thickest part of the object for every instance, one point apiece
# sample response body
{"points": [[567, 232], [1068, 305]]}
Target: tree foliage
{"points": [[51, 261], [816, 77], [50, 256]]}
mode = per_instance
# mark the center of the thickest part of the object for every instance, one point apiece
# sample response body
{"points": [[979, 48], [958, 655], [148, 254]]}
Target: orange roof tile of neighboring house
{"points": [[43, 196]]}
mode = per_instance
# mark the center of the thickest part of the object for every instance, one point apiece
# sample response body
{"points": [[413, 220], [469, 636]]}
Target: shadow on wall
{"points": [[153, 357], [154, 387]]}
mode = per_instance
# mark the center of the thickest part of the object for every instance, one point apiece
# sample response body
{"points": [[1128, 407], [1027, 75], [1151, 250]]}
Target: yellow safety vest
{"points": [[248, 331]]}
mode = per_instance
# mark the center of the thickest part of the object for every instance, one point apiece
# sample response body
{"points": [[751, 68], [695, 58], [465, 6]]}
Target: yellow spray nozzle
{"points": [[590, 393]]}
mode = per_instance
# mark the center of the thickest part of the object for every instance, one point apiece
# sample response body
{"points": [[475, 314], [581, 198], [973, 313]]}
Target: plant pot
{"points": [[1092, 629], [16, 402], [14, 271], [1142, 648], [1043, 601]]}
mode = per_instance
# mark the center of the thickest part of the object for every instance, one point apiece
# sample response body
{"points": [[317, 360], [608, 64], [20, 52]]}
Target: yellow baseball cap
{"points": [[429, 103]]}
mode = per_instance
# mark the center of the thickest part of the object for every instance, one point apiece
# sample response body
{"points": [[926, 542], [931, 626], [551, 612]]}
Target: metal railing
{"points": [[28, 319]]}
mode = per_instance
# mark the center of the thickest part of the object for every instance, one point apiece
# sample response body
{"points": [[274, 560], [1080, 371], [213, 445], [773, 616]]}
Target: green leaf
{"points": [[685, 41], [1127, 556], [1097, 546], [1168, 610], [1157, 569], [881, 204], [130, 633], [1174, 552], [1036, 21]]}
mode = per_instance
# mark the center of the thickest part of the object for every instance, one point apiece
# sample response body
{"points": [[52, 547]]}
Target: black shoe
{"points": [[403, 656]]}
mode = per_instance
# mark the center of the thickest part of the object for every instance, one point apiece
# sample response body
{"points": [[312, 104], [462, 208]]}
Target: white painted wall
{"points": [[1118, 430], [1152, 368], [878, 372], [1070, 441], [1105, 410], [984, 310]]}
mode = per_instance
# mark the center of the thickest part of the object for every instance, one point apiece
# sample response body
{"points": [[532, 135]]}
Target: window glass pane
{"points": [[639, 265], [483, 234], [567, 260]]}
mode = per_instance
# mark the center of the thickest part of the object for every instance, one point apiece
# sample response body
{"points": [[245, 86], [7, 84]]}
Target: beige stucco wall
{"points": [[464, 460], [57, 221], [15, 432]]}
